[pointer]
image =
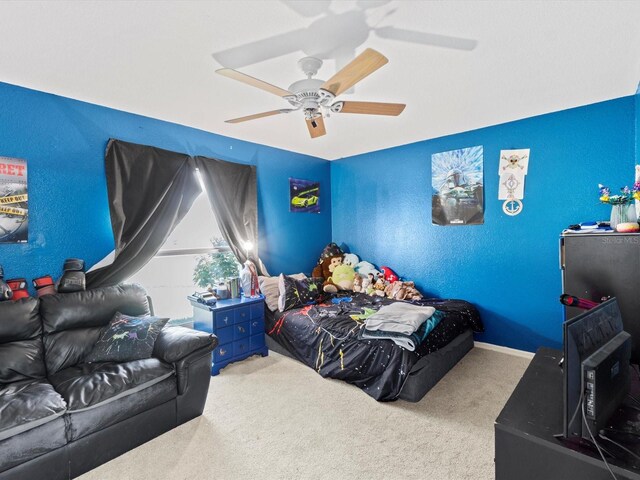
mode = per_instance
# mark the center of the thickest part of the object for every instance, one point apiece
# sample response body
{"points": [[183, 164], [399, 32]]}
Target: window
{"points": [[194, 256]]}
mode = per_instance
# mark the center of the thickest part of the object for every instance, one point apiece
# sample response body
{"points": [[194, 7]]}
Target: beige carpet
{"points": [[274, 418]]}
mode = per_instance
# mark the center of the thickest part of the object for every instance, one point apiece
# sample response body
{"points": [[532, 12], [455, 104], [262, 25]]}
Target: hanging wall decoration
{"points": [[514, 165], [14, 201], [304, 196], [457, 187]]}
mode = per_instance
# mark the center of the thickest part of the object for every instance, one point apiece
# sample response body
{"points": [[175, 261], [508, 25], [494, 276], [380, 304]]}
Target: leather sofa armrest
{"points": [[175, 343]]}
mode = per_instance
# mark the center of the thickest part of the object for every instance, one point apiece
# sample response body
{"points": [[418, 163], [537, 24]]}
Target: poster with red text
{"points": [[14, 201]]}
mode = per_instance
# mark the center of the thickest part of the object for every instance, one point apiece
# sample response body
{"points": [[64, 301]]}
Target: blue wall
{"points": [[638, 125], [508, 267], [64, 141]]}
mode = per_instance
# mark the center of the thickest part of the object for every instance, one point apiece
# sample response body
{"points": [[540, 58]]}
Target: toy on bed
{"points": [[345, 271], [326, 271]]}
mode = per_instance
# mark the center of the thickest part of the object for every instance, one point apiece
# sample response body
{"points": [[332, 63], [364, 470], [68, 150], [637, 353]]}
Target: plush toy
{"points": [[357, 283], [350, 259], [389, 275], [411, 292], [378, 287], [367, 284], [343, 277], [330, 251], [365, 268], [327, 267], [396, 290]]}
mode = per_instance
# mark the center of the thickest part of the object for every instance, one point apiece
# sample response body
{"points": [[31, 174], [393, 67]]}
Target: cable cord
{"points": [[604, 437], [624, 432], [584, 416]]}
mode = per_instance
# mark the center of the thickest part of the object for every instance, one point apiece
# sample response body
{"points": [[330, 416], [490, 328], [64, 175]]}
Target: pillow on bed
{"points": [[296, 293], [270, 290]]}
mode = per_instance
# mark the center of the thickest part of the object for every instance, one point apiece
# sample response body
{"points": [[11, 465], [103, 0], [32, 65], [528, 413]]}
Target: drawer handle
{"points": [[241, 329], [223, 351], [226, 320], [255, 324]]}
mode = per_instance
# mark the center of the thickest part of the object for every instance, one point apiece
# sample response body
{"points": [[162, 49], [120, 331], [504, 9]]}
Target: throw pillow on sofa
{"points": [[127, 338]]}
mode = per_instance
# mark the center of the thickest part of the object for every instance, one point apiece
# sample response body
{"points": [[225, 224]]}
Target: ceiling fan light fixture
{"points": [[315, 97]]}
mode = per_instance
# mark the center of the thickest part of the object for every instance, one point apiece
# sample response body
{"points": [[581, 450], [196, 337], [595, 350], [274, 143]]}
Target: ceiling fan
{"points": [[316, 98]]}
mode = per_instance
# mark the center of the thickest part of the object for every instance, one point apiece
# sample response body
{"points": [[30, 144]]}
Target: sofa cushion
{"points": [[31, 444], [89, 385], [90, 420], [126, 338], [21, 351], [73, 321], [28, 404]]}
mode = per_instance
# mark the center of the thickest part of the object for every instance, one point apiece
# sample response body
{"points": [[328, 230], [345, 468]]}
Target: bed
{"points": [[327, 338]]}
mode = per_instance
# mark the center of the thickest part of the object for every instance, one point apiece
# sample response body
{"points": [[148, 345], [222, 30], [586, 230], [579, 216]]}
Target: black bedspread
{"points": [[325, 337]]}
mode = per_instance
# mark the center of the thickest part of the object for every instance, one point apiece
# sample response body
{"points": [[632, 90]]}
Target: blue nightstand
{"points": [[239, 325]]}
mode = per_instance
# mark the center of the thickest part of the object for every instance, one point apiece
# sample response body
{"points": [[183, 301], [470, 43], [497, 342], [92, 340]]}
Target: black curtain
{"points": [[150, 191], [232, 191]]}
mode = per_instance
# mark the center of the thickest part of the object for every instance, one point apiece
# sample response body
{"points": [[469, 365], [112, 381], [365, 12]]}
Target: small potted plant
{"points": [[621, 204]]}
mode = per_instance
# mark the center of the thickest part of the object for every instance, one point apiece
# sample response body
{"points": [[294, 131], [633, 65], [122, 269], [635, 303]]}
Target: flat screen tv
{"points": [[596, 368]]}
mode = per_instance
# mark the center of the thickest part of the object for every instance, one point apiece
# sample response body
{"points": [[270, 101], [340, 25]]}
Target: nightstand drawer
{"points": [[225, 335], [242, 314], [256, 342], [256, 326], [257, 310], [223, 352], [240, 347], [240, 330], [224, 318]]}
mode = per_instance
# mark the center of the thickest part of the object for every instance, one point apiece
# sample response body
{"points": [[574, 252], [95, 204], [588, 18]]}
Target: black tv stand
{"points": [[525, 444]]}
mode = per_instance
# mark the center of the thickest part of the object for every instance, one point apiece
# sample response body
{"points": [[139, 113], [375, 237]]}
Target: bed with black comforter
{"points": [[326, 337]]}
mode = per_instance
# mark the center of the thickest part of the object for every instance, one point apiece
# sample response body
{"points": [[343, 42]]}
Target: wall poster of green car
{"points": [[304, 196]]}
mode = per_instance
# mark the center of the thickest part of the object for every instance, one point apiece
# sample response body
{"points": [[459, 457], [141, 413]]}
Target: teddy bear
{"points": [[325, 271], [350, 259], [343, 277], [411, 292], [364, 268], [396, 290]]}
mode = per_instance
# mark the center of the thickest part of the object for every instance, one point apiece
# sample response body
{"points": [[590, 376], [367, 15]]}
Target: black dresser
{"points": [[602, 265]]}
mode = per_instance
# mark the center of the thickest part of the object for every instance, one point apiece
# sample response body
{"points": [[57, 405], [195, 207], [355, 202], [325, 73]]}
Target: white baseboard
{"points": [[507, 350]]}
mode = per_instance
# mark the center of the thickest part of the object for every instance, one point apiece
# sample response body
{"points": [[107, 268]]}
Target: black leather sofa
{"points": [[60, 417]]}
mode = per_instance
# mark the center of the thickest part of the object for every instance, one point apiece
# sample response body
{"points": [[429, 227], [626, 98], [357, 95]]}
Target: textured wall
{"points": [[508, 267], [64, 140], [638, 125]]}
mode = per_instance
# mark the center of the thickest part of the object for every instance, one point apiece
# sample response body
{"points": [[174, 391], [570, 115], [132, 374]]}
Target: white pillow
{"points": [[270, 290]]}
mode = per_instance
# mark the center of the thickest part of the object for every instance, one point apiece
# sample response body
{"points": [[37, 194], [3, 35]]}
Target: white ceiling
{"points": [[155, 59]]}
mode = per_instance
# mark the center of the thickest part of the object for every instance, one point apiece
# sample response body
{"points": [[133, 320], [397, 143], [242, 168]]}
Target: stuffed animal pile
{"points": [[345, 271]]}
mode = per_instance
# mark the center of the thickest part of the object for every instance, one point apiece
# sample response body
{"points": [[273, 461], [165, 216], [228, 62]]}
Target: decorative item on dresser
{"points": [[622, 208], [239, 325]]}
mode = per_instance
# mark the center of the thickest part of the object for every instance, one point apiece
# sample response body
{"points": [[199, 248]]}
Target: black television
{"points": [[596, 373]]}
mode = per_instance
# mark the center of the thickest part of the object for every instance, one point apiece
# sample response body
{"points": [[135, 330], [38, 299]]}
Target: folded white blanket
{"points": [[399, 317]]}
